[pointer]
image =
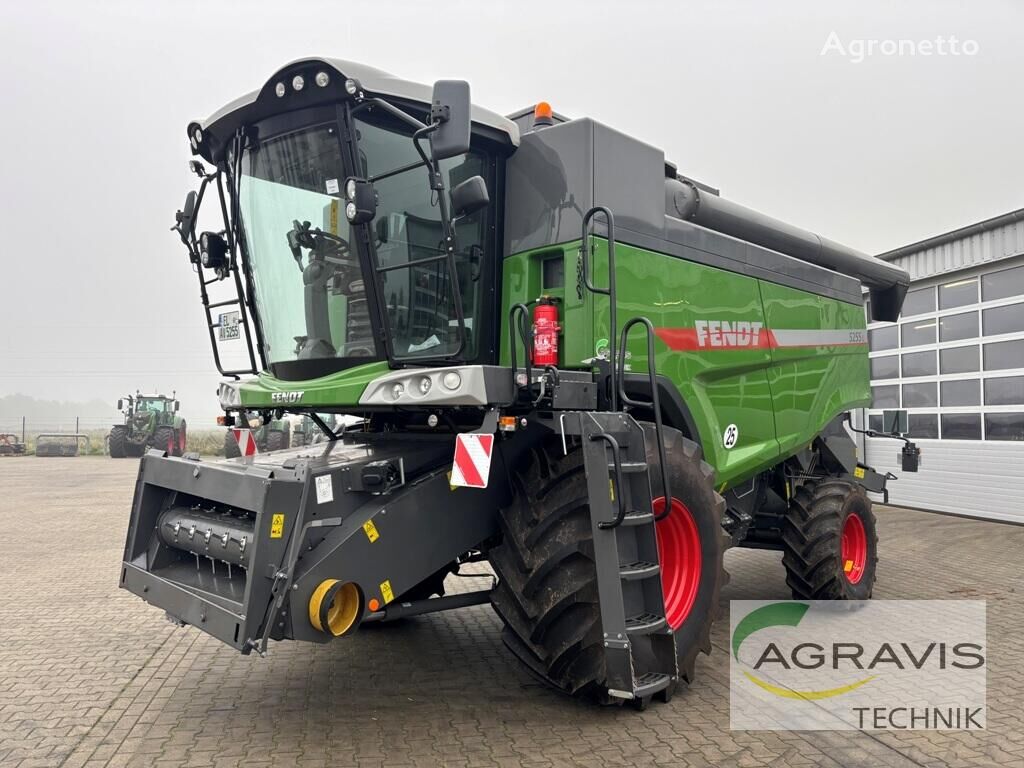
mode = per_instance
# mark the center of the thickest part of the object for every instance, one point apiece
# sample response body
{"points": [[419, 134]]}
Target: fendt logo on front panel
{"points": [[287, 397]]}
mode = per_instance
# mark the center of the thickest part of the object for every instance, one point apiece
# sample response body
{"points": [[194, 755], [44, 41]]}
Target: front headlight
{"points": [[230, 396]]}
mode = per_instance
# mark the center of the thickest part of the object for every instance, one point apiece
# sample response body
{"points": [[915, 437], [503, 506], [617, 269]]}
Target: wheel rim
{"points": [[854, 548], [679, 552]]}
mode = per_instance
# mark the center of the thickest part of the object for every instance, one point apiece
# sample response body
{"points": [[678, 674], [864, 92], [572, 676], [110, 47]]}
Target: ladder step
{"points": [[640, 569], [651, 683], [645, 624], [631, 466], [636, 517]]}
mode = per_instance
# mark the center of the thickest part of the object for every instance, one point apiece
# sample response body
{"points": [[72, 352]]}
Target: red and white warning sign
{"points": [[246, 442], [472, 464]]}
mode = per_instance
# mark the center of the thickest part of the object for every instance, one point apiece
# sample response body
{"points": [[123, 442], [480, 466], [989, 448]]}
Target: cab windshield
{"points": [[311, 301], [153, 406], [419, 298], [309, 284]]}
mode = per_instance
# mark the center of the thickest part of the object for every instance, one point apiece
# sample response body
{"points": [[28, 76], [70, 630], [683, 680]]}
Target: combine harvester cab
{"points": [[525, 341]]}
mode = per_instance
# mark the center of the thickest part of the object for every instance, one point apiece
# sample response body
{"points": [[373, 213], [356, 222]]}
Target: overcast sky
{"points": [[875, 151]]}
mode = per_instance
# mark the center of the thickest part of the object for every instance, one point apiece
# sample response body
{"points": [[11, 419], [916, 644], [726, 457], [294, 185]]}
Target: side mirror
{"points": [[469, 197], [177, 405], [360, 201], [895, 422], [449, 110], [213, 251], [184, 220], [120, 404]]}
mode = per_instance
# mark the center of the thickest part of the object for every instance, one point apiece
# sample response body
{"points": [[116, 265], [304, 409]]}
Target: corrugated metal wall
{"points": [[976, 478], [976, 249], [969, 477]]}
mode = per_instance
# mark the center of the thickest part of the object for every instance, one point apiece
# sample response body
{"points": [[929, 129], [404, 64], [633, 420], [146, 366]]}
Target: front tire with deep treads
{"points": [[547, 589], [819, 515], [231, 449], [276, 440], [118, 437], [164, 439], [547, 583]]}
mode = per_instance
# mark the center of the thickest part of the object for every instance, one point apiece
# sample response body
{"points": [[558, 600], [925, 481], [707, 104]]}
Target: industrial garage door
{"points": [[955, 363]]}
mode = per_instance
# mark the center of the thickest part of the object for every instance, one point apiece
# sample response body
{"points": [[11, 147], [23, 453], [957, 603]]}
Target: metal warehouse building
{"points": [[955, 362]]}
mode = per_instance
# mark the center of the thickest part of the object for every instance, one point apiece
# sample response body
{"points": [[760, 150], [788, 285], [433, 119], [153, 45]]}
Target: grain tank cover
{"points": [[562, 170]]}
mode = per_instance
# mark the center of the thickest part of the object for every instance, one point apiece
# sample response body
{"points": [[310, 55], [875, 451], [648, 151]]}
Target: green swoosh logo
{"points": [[786, 615]]}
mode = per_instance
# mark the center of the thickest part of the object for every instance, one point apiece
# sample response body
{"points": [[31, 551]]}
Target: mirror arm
{"points": [[392, 110]]}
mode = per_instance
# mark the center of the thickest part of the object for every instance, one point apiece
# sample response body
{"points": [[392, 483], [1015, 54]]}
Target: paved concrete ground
{"points": [[90, 675]]}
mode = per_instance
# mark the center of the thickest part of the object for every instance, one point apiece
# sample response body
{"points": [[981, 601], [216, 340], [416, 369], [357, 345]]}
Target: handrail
{"points": [[522, 312], [617, 462], [654, 404], [610, 291]]}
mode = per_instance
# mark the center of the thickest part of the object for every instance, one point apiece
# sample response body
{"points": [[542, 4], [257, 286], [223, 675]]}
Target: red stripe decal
{"points": [[466, 465]]}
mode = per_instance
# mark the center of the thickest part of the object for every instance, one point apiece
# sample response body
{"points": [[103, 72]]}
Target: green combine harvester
{"points": [[150, 421], [571, 362]]}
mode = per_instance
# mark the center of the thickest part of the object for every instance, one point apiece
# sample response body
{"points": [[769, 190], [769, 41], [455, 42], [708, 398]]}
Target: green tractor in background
{"points": [[150, 421], [271, 435]]}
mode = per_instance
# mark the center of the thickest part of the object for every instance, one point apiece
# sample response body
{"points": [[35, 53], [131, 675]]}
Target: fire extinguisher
{"points": [[545, 332]]}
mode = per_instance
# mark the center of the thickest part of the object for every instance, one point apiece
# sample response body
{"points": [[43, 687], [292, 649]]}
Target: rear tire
{"points": [[164, 440], [118, 436], [182, 445], [819, 516], [231, 449], [276, 440]]}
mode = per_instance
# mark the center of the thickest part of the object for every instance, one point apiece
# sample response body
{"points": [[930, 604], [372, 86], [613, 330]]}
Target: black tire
{"points": [[231, 449], [692, 481], [547, 589], [812, 540], [276, 439], [181, 444], [118, 436], [164, 439]]}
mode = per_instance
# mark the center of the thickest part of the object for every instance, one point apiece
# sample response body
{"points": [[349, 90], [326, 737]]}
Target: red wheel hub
{"points": [[854, 548], [679, 551]]}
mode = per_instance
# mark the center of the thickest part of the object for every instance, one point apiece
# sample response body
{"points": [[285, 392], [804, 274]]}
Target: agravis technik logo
{"points": [[814, 665]]}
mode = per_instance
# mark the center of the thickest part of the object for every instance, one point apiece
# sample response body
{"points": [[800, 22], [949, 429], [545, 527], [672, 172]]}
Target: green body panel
{"points": [[779, 399], [336, 390], [811, 385]]}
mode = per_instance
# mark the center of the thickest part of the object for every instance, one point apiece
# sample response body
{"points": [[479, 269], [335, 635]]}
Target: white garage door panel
{"points": [[977, 478]]}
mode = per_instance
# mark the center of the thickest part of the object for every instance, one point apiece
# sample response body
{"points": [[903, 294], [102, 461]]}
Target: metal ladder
{"points": [[640, 646]]}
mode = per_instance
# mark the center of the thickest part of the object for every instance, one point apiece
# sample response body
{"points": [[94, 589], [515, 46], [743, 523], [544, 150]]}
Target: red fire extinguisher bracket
{"points": [[545, 332]]}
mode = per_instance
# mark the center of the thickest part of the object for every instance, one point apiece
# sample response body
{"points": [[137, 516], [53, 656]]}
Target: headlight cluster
{"points": [[322, 79], [360, 201], [229, 395], [420, 385]]}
